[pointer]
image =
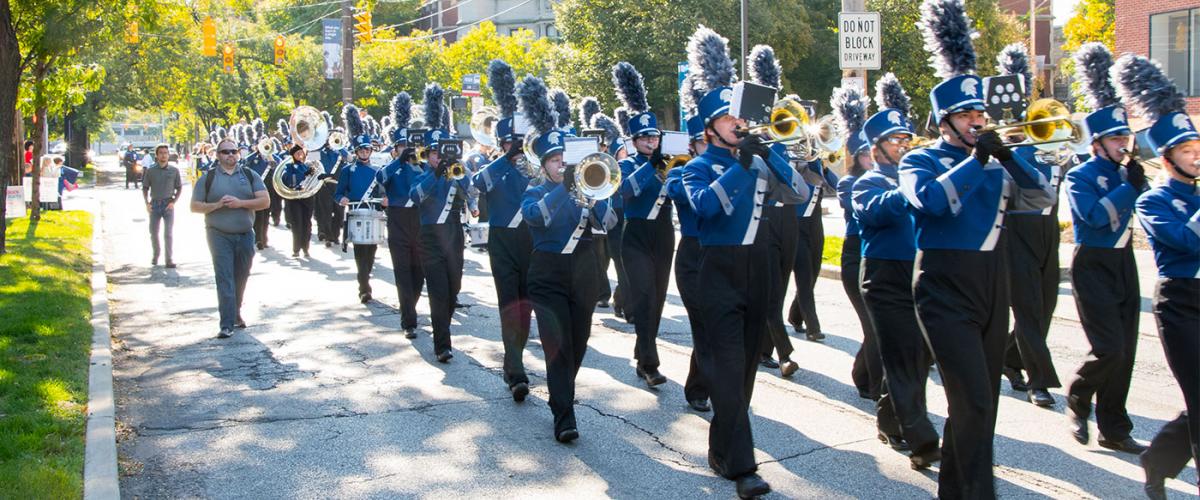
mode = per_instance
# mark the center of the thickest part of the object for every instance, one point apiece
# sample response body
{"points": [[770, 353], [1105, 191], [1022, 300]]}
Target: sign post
{"points": [[470, 85]]}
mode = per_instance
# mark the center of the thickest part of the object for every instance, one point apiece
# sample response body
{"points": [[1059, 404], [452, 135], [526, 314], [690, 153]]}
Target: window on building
{"points": [[1175, 43], [551, 31], [514, 30]]}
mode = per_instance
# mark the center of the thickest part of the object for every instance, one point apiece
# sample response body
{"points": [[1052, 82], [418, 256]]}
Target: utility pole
{"points": [[855, 6], [742, 61], [347, 52]]}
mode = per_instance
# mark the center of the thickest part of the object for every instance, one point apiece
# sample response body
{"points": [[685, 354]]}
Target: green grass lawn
{"points": [[45, 309], [832, 253]]}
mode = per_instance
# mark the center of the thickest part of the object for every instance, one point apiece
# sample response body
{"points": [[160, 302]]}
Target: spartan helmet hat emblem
{"points": [[645, 120], [1119, 114], [969, 87], [727, 95], [436, 135], [894, 118], [1103, 182], [1179, 205], [1180, 122], [552, 137], [946, 162]]}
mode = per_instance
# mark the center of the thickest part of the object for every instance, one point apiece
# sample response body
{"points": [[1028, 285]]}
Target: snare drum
{"points": [[365, 226], [478, 233]]}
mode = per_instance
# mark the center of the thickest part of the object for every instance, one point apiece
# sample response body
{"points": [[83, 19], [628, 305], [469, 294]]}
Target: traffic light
{"points": [[362, 26], [227, 57], [131, 34], [208, 38], [280, 50]]}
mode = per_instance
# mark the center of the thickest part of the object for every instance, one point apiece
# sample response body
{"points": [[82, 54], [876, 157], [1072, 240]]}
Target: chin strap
{"points": [[959, 135], [1179, 169]]}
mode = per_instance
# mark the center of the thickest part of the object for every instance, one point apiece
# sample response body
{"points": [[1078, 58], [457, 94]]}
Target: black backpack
{"points": [[208, 180]]}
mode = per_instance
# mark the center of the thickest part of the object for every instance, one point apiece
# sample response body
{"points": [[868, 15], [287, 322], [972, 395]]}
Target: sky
{"points": [[1062, 10]]}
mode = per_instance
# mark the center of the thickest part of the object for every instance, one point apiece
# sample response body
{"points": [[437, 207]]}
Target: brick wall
{"points": [[1132, 29]]}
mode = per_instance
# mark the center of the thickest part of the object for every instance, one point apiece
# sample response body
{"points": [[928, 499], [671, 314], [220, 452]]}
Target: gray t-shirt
{"points": [[162, 182], [242, 184]]}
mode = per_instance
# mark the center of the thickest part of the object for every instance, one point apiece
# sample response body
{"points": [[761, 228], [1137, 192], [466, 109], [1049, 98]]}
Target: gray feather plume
{"points": [[630, 88], [764, 67], [689, 95], [708, 55], [503, 84], [562, 106], [612, 133], [260, 129], [446, 116], [328, 119], [1142, 82], [284, 130], [433, 105], [621, 115], [535, 104], [588, 108], [1013, 59], [850, 108], [385, 122], [890, 94], [401, 109], [353, 122], [947, 32], [1093, 62]]}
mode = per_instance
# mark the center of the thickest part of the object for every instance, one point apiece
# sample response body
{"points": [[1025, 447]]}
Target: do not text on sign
{"points": [[859, 36]]}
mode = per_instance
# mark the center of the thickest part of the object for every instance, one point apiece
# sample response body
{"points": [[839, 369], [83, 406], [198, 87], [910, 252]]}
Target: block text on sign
{"points": [[859, 40]]}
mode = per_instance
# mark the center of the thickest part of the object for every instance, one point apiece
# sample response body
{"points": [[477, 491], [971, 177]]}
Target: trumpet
{"points": [[597, 177], [807, 139], [527, 147], [521, 163], [1049, 127], [308, 187], [823, 139], [456, 171]]}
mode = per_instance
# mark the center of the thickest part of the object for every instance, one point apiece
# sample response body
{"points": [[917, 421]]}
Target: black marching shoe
{"points": [[814, 336], [921, 461], [410, 333], [364, 297], [752, 486], [1041, 397], [700, 405], [1078, 420], [603, 304], [567, 435], [1154, 487], [1127, 445], [768, 362], [1016, 380], [444, 356], [170, 265], [652, 378], [894, 442], [519, 390], [787, 368]]}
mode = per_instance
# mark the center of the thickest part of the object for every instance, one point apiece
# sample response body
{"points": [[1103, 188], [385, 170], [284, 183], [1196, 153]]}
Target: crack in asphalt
{"points": [[814, 450], [658, 440]]}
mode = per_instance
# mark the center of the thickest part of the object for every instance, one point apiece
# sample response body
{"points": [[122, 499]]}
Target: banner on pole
{"points": [[331, 35]]}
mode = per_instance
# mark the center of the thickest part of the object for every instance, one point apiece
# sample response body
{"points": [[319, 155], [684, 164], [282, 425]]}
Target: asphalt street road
{"points": [[324, 397]]}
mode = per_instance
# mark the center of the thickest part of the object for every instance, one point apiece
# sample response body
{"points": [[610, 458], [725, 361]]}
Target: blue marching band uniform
{"points": [[933, 237]]}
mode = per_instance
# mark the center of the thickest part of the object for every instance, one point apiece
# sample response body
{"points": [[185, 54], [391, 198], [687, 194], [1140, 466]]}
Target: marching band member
{"points": [[509, 244], [1102, 192], [562, 279], [279, 155], [254, 160], [299, 211], [328, 213], [802, 313], [887, 275], [850, 109], [1033, 257], [441, 200], [610, 142], [356, 184], [689, 253], [1171, 216], [958, 196], [726, 187], [648, 242], [781, 229], [616, 235], [403, 217]]}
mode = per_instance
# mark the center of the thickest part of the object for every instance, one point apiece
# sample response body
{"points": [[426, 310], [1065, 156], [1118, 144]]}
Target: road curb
{"points": [[100, 452]]}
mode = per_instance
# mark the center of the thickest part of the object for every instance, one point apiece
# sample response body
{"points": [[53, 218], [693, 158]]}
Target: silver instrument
{"points": [[483, 126], [597, 178], [308, 127], [308, 187]]}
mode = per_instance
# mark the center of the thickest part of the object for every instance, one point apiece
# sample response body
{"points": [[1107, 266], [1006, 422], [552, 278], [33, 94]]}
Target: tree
{"points": [[1091, 22], [9, 76]]}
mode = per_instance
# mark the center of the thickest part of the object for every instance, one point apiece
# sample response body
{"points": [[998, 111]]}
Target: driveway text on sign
{"points": [[859, 40]]}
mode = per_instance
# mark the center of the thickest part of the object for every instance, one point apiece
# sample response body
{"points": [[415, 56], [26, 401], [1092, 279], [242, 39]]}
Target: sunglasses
{"points": [[227, 151]]}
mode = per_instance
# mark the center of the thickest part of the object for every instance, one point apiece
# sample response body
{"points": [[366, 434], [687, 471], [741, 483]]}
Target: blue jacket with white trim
{"points": [[353, 182], [257, 163], [1171, 216], [958, 203], [294, 173], [883, 215], [845, 188], [440, 199], [330, 158], [1053, 172], [504, 188], [689, 225], [643, 193], [397, 179], [818, 178], [557, 223], [1101, 203], [728, 199]]}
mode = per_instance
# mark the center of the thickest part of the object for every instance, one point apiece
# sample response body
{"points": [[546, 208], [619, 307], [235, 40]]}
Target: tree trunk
{"points": [[39, 138], [10, 74], [76, 135]]}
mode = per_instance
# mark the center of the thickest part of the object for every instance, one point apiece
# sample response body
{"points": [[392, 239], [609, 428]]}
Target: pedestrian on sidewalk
{"points": [[228, 196], [161, 187]]}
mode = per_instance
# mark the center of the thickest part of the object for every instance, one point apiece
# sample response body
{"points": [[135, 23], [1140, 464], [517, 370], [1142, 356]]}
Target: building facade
{"points": [[453, 18], [1167, 31]]}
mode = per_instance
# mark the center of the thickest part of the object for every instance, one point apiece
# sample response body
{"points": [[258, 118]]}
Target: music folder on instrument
{"points": [[674, 143], [1004, 98], [520, 124], [752, 102], [575, 149]]}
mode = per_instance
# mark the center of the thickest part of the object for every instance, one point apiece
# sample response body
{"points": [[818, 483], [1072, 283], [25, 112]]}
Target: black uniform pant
{"points": [[648, 246], [781, 227], [1105, 282], [261, 218], [867, 371], [404, 245], [276, 207], [441, 261], [734, 314], [299, 215], [600, 245], [509, 250], [615, 240], [1033, 257], [687, 280], [811, 238], [888, 296], [962, 305], [329, 214], [364, 262], [563, 291], [1177, 312]]}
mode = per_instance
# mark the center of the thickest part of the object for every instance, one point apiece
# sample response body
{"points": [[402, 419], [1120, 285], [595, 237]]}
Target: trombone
{"points": [[597, 177], [1049, 127], [807, 139]]}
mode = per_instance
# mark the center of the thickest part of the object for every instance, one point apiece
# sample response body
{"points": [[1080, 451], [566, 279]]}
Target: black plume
{"points": [[890, 94], [433, 105], [562, 106], [1013, 59], [503, 84], [689, 95], [401, 109], [622, 117], [1142, 83], [220, 132], [260, 129], [612, 133], [631, 89], [535, 103], [445, 117], [850, 108], [353, 122], [947, 31], [1093, 63], [588, 107], [385, 122], [708, 55], [764, 67], [328, 119]]}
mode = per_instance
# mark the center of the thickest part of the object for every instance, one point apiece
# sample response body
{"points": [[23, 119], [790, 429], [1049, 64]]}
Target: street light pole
{"points": [[744, 42], [347, 52]]}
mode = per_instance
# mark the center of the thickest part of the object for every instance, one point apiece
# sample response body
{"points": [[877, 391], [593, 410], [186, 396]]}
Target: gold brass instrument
{"points": [[483, 126], [787, 118], [673, 161], [338, 141], [807, 139], [597, 177], [456, 171], [308, 127], [822, 139], [422, 154], [308, 187], [1048, 126]]}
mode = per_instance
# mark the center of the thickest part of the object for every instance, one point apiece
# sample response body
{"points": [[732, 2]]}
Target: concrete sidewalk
{"points": [[323, 397]]}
